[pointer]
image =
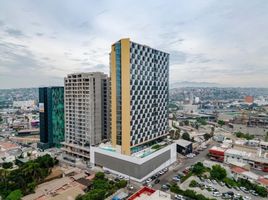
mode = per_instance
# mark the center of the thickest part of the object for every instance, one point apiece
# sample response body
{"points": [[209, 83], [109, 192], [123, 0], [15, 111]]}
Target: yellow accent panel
{"points": [[125, 83], [113, 95]]}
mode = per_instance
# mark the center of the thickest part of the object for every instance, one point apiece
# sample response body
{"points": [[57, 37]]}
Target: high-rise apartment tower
{"points": [[87, 112], [139, 95]]}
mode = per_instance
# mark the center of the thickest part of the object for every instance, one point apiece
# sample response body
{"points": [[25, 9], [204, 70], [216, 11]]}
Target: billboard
{"points": [[41, 107]]}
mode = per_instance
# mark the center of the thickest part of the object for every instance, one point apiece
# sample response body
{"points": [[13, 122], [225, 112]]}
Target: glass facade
{"points": [[52, 116], [118, 94], [57, 116]]}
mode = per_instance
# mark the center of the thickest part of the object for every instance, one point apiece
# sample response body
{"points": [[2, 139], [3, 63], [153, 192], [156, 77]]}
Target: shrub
{"points": [[193, 183]]}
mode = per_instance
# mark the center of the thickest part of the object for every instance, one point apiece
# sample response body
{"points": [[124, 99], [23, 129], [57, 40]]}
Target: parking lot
{"points": [[221, 189]]}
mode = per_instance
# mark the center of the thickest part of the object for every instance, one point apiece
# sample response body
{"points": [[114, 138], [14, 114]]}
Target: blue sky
{"points": [[225, 42]]}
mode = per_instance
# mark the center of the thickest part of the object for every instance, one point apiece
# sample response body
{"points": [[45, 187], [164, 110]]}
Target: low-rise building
{"points": [[184, 147], [147, 193], [138, 166], [217, 153]]}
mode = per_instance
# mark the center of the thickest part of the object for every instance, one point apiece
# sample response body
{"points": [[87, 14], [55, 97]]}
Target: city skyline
{"points": [[211, 41]]}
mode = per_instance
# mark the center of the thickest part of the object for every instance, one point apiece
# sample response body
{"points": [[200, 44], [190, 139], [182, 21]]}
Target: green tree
{"points": [[14, 195], [266, 137], [7, 165], [212, 131], [186, 136], [121, 184], [177, 134], [221, 122], [99, 175], [207, 136], [193, 183], [186, 122], [96, 194], [198, 169], [218, 172], [201, 121], [261, 191]]}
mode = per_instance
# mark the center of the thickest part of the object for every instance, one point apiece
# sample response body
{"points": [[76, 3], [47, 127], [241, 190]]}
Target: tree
{"points": [[221, 122], [14, 195], [186, 136], [266, 137], [218, 172], [201, 121], [99, 175], [207, 136], [193, 183], [7, 165], [261, 191], [212, 131], [186, 122], [96, 194], [121, 184], [177, 133], [198, 169]]}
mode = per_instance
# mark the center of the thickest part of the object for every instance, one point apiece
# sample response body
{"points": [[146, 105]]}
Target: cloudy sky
{"points": [[215, 41]]}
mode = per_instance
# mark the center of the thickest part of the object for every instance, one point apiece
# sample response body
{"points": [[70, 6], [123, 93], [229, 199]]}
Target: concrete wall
{"points": [[129, 168], [135, 168]]}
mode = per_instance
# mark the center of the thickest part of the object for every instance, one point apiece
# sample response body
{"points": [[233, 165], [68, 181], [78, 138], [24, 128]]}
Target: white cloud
{"points": [[214, 41]]}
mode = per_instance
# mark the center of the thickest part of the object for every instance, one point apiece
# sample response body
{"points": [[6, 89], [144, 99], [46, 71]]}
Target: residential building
{"points": [[139, 113], [139, 95], [51, 111], [87, 114]]}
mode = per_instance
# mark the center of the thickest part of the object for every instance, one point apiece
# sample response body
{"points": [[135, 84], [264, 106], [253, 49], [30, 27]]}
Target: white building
{"points": [[86, 113]]}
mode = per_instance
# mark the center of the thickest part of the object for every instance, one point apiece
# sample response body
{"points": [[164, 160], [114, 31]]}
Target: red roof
{"points": [[263, 181], [238, 170], [145, 190]]}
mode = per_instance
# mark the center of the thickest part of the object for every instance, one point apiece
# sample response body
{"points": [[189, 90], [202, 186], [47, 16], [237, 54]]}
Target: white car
{"points": [[179, 197], [237, 195], [214, 182], [161, 172], [148, 180], [246, 198], [216, 194], [130, 187]]}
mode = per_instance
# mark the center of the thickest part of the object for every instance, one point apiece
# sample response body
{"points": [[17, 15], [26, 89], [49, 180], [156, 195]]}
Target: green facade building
{"points": [[51, 109]]}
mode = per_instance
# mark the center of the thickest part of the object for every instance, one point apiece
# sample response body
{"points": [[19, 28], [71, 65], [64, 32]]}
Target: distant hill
{"points": [[193, 84]]}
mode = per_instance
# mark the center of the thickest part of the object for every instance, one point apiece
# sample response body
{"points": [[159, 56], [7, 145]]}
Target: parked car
{"points": [[214, 182], [186, 171], [179, 197], [244, 190], [148, 180], [237, 195], [156, 181], [231, 193], [221, 183], [165, 187], [165, 169], [208, 181], [216, 194], [176, 179], [227, 185], [130, 187], [161, 172]]}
